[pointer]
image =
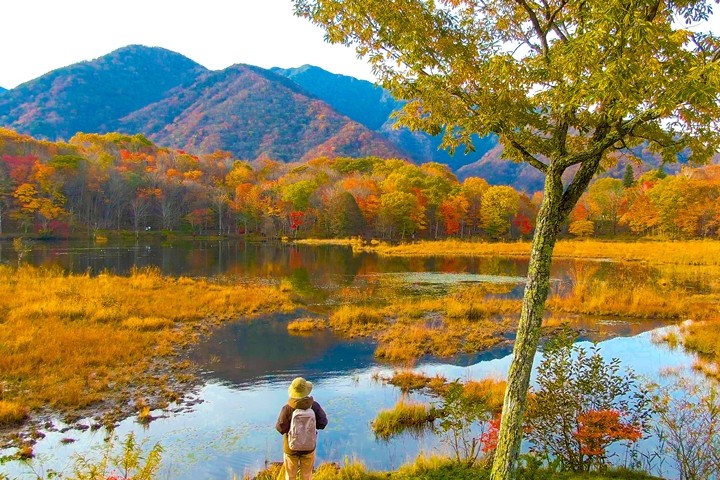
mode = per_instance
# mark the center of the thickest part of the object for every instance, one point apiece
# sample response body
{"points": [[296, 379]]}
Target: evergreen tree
{"points": [[629, 177]]}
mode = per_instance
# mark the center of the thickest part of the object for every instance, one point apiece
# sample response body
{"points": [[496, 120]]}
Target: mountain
{"points": [[360, 100], [2, 90], [373, 106], [522, 176], [90, 96], [253, 113]]}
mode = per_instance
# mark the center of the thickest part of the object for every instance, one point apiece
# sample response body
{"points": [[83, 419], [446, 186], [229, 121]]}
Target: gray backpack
{"points": [[302, 436]]}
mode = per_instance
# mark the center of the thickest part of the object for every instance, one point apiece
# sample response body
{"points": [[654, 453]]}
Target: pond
{"points": [[247, 365]]}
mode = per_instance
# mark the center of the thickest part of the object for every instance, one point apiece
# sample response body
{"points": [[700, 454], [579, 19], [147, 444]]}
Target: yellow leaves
{"points": [[26, 194], [193, 175]]}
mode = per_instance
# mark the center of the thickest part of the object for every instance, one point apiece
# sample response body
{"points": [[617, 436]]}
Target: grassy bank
{"points": [[691, 252], [71, 341], [435, 468]]}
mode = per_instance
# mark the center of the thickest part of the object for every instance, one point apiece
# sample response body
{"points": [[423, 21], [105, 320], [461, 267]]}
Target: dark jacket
{"points": [[283, 422]]}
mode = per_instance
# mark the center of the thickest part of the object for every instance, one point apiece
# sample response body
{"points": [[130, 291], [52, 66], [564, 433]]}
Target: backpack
{"points": [[302, 436]]}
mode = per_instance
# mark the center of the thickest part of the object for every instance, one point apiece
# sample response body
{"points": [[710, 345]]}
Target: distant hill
{"points": [[497, 171], [373, 106], [2, 90], [90, 96], [360, 100], [253, 113]]}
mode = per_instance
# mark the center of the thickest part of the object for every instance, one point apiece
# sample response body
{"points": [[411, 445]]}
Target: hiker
{"points": [[299, 421]]}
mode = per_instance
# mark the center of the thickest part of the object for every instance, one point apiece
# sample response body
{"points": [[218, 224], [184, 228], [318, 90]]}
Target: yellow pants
{"points": [[299, 467]]}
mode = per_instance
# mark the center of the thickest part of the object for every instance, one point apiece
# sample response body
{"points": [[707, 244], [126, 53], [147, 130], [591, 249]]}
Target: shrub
{"points": [[458, 412], [688, 425], [582, 405], [128, 463]]}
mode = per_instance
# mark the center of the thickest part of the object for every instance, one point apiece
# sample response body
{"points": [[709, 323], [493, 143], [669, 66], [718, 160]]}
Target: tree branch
{"points": [[528, 157], [578, 185], [536, 25]]}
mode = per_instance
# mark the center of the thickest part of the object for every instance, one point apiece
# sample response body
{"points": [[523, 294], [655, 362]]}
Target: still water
{"points": [[248, 365]]}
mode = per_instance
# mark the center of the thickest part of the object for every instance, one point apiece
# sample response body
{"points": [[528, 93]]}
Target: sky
{"points": [[38, 36]]}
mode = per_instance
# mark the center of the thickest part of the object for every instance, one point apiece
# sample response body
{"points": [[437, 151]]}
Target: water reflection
{"points": [[246, 365], [246, 353]]}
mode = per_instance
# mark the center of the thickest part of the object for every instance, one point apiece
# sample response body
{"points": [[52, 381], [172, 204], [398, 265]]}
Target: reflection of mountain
{"points": [[261, 349]]}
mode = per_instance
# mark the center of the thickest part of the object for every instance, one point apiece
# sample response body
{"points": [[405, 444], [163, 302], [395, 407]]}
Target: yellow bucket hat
{"points": [[300, 388]]}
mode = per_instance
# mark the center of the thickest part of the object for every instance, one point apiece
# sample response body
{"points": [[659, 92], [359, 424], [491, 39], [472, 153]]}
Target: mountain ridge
{"points": [[91, 95], [276, 118]]}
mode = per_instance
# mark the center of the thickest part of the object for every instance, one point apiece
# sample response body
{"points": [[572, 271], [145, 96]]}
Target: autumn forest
{"points": [[120, 182]]}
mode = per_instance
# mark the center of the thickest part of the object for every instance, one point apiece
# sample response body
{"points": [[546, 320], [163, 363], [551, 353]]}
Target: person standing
{"points": [[298, 422]]}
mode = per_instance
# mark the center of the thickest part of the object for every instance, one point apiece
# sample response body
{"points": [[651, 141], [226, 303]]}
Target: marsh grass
{"points": [[406, 340], [690, 252], [441, 468], [357, 320], [69, 341], [658, 294], [704, 338], [407, 381], [306, 325], [490, 392], [12, 413], [405, 416]]}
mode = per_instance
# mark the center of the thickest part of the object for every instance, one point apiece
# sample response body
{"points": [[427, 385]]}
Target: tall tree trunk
{"points": [[528, 334]]}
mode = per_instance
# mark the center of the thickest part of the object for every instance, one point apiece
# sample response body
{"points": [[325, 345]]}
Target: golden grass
{"points": [[330, 241], [639, 296], [11, 413], [407, 381], [704, 338], [353, 320], [67, 341], [489, 391], [147, 323], [690, 252], [305, 325], [404, 416], [406, 340]]}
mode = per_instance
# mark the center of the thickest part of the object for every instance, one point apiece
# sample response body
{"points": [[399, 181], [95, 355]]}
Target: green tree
{"points": [[606, 197], [499, 205], [628, 177], [400, 212], [346, 218], [562, 85]]}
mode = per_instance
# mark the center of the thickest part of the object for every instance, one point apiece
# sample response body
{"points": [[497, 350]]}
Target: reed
{"points": [[657, 297], [357, 320], [704, 338], [11, 413], [406, 340], [490, 392], [68, 341], [306, 325], [407, 380], [690, 252], [404, 416], [330, 241]]}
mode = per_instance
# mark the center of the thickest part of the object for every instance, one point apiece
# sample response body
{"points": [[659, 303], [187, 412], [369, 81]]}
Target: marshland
{"points": [[191, 345]]}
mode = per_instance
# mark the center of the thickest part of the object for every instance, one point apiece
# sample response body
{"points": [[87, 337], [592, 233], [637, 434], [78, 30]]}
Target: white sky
{"points": [[38, 36]]}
